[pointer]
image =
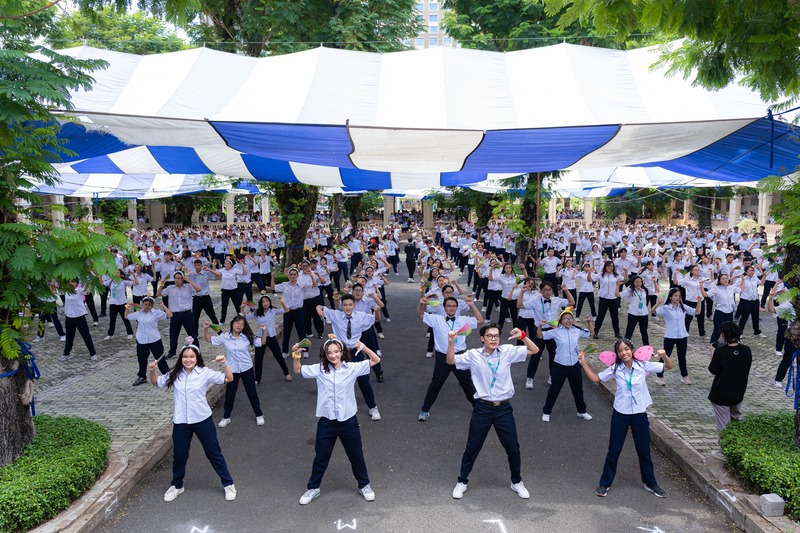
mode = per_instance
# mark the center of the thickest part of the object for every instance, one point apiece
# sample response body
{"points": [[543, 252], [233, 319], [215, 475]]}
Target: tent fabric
{"points": [[418, 119]]}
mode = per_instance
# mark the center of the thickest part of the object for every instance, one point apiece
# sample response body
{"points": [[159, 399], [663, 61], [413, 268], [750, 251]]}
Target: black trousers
{"points": [[78, 323], [681, 345], [484, 417], [719, 318], [493, 300], [749, 309], [272, 344], [701, 318], [768, 285], [560, 374], [347, 432], [411, 268], [781, 335], [640, 430], [310, 313], [114, 310], [142, 353], [248, 378], [786, 361], [641, 321], [200, 304], [365, 385], [612, 306], [180, 319], [50, 317], [441, 371], [245, 291], [293, 317], [585, 297], [182, 441], [232, 296], [533, 361]]}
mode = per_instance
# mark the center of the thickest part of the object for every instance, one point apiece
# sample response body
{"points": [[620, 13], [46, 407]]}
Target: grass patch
{"points": [[64, 460], [760, 450]]}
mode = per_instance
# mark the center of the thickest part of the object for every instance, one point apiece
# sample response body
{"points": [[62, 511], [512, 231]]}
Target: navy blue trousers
{"points": [[180, 319], [559, 374], [347, 432], [182, 441], [640, 429], [483, 418]]}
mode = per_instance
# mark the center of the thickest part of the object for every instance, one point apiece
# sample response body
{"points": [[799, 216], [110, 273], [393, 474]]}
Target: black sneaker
{"points": [[601, 491], [139, 381], [655, 489], [380, 377]]}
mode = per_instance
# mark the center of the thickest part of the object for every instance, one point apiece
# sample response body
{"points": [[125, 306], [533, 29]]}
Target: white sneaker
{"points": [[64, 358], [230, 493], [388, 319], [529, 383], [107, 337], [327, 321], [410, 280], [520, 489], [459, 491], [550, 380], [94, 323], [285, 355], [259, 420], [93, 359], [762, 335], [585, 416], [172, 493], [508, 321], [381, 335], [779, 353], [63, 338], [660, 381], [428, 335], [367, 493], [428, 354], [224, 422], [309, 496], [374, 413], [685, 380], [545, 418], [483, 309], [38, 339], [778, 385]]}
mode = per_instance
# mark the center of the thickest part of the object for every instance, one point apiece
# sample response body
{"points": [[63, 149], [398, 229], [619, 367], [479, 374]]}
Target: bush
{"points": [[280, 276], [760, 450], [64, 460]]}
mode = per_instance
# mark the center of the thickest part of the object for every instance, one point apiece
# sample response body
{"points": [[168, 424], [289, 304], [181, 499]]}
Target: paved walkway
{"points": [[102, 391]]}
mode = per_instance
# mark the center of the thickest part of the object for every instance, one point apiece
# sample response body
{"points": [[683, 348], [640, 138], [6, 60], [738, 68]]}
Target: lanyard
{"points": [[494, 369], [629, 383]]}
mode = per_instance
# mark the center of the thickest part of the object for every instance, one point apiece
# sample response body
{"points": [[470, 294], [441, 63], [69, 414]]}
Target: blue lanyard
{"points": [[629, 383]]}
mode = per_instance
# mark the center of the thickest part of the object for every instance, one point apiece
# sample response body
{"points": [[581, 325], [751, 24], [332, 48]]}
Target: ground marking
{"points": [[110, 497], [196, 529], [656, 530], [344, 525], [499, 524]]}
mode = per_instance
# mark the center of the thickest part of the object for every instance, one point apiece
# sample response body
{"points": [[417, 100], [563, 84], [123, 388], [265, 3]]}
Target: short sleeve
{"points": [[653, 366], [549, 334], [217, 340], [606, 374], [134, 316], [311, 371], [472, 322], [362, 367], [216, 378], [162, 381], [428, 319], [517, 354], [462, 361]]}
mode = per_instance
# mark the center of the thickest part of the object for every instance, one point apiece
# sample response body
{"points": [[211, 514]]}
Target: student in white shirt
{"points": [[631, 401], [336, 410], [189, 380], [637, 296], [674, 312], [148, 337], [490, 370], [265, 314]]}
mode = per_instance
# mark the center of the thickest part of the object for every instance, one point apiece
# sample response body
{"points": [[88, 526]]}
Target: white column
{"points": [[388, 208], [588, 211], [427, 214], [57, 209], [132, 215], [764, 203], [265, 209], [551, 210], [686, 207], [87, 204], [155, 213], [734, 209], [229, 208]]}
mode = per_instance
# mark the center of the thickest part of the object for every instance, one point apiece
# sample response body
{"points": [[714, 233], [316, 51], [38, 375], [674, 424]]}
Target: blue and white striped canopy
{"points": [[418, 119]]}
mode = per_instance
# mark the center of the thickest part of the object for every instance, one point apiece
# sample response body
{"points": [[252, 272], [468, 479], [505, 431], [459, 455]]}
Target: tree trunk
{"points": [[793, 331], [297, 203], [16, 424]]}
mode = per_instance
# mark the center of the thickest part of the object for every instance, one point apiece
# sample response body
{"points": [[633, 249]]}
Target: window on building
{"points": [[433, 41], [419, 7], [447, 41], [420, 18], [433, 28], [433, 18], [419, 42], [433, 6]]}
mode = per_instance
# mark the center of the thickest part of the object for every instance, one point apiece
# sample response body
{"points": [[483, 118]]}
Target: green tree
{"points": [[635, 204], [529, 218], [208, 201], [133, 33], [357, 206], [32, 251]]}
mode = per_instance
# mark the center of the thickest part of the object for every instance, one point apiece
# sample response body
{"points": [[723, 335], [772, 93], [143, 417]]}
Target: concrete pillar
{"points": [[427, 214], [155, 213], [229, 208], [686, 207], [265, 209], [86, 203], [764, 203], [734, 208], [57, 209], [23, 211], [388, 209], [132, 215], [551, 210], [588, 211]]}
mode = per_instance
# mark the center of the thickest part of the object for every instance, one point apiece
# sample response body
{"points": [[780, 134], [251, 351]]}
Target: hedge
{"points": [[63, 461], [760, 450]]}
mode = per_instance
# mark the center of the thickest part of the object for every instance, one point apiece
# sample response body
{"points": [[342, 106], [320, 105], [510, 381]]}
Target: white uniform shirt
{"points": [[237, 350], [189, 393], [147, 328], [336, 398], [632, 396], [491, 374], [674, 320], [441, 327], [724, 297], [566, 343]]}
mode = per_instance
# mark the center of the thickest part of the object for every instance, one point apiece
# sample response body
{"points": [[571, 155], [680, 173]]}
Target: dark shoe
{"points": [[139, 381], [101, 315], [655, 489], [596, 336], [319, 335], [380, 377], [170, 356], [601, 491]]}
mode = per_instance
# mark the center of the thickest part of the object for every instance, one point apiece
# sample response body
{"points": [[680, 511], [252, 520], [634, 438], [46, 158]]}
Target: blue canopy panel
{"points": [[744, 155], [536, 150], [97, 165], [269, 169], [301, 143], [178, 160], [356, 179], [85, 143]]}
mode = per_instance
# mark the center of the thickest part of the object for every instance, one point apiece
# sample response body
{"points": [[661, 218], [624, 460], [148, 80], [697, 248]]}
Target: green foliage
{"points": [[760, 450], [132, 33], [115, 214], [633, 202], [64, 460], [722, 38]]}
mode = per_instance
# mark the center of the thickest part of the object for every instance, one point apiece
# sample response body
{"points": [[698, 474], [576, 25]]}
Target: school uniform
{"points": [[565, 366], [441, 326], [237, 353], [148, 339]]}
